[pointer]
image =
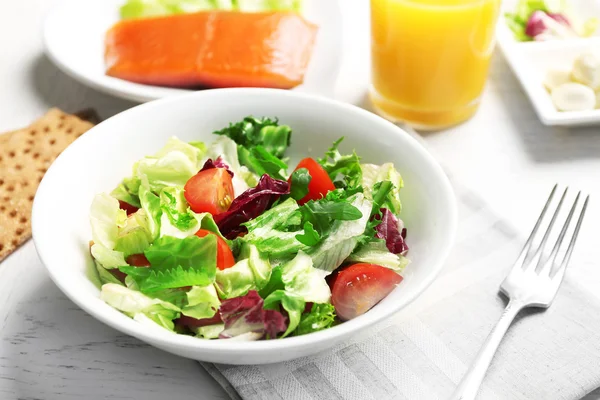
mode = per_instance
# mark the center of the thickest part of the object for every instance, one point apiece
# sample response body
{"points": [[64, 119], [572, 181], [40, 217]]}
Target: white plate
{"points": [[74, 40], [531, 60], [61, 228]]}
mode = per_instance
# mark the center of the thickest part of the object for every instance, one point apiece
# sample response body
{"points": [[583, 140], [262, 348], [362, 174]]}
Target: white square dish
{"points": [[530, 62]]}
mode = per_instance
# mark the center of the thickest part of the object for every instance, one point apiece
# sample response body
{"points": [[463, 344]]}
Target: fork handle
{"points": [[469, 385]]}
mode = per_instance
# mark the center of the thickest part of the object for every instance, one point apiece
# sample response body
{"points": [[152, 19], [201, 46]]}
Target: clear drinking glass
{"points": [[430, 59]]}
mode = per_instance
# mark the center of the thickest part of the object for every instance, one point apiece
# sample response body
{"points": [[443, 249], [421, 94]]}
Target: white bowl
{"points": [[98, 160]]}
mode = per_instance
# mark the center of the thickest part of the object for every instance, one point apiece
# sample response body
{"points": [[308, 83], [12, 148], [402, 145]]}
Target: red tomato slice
{"points": [[224, 255], [127, 207], [209, 191], [357, 288], [138, 260], [320, 183]]}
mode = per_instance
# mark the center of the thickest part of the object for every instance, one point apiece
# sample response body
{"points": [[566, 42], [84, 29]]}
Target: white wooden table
{"points": [[50, 349]]}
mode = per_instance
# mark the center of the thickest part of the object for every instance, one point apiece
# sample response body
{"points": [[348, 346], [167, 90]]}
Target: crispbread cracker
{"points": [[25, 155]]}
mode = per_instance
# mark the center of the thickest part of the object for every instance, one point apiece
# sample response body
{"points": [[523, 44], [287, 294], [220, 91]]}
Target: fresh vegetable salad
{"points": [[220, 241], [543, 20]]}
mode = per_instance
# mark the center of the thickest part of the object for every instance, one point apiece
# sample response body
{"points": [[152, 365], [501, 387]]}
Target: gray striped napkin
{"points": [[423, 352]]}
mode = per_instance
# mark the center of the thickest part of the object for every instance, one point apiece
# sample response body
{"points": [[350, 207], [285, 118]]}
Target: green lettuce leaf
{"points": [[252, 272], [275, 283], [202, 302], [343, 237], [373, 174], [151, 205], [321, 316], [261, 162], [124, 193], [300, 179], [300, 278], [344, 170], [318, 217], [210, 331], [376, 252], [153, 8], [293, 304], [106, 217], [268, 5], [133, 303], [173, 165], [266, 132], [274, 232], [104, 275], [107, 258], [261, 143], [134, 236], [177, 263], [176, 209]]}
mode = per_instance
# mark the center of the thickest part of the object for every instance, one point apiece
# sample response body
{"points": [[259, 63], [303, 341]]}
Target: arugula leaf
{"points": [[293, 304], [310, 237], [321, 316], [275, 283], [261, 162], [266, 132], [373, 174], [343, 237], [381, 193], [318, 217], [299, 181], [344, 170]]}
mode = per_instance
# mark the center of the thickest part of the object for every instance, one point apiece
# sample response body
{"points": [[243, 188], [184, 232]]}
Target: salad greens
{"points": [[220, 241], [547, 20], [152, 8]]}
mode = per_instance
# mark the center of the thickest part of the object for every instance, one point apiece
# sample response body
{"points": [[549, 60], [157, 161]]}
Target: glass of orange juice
{"points": [[430, 59]]}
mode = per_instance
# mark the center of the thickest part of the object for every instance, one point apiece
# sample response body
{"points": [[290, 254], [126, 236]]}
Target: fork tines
{"points": [[536, 258]]}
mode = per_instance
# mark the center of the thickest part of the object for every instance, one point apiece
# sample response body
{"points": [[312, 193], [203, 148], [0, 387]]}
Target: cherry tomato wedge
{"points": [[358, 287], [224, 255], [138, 260], [127, 207], [320, 183], [209, 191]]}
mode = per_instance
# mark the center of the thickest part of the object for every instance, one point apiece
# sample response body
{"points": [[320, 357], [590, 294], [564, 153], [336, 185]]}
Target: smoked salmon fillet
{"points": [[212, 49]]}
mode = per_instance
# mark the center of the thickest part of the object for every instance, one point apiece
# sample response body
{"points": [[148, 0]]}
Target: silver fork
{"points": [[532, 282]]}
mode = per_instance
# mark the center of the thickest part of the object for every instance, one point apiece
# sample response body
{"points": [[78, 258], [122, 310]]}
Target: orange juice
{"points": [[430, 58]]}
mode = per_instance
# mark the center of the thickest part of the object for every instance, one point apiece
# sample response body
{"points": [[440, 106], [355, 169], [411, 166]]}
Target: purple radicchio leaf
{"points": [[245, 314], [218, 163], [392, 231], [249, 205]]}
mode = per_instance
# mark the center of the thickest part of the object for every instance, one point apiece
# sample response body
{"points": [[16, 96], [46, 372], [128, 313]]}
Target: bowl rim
{"points": [[169, 339]]}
